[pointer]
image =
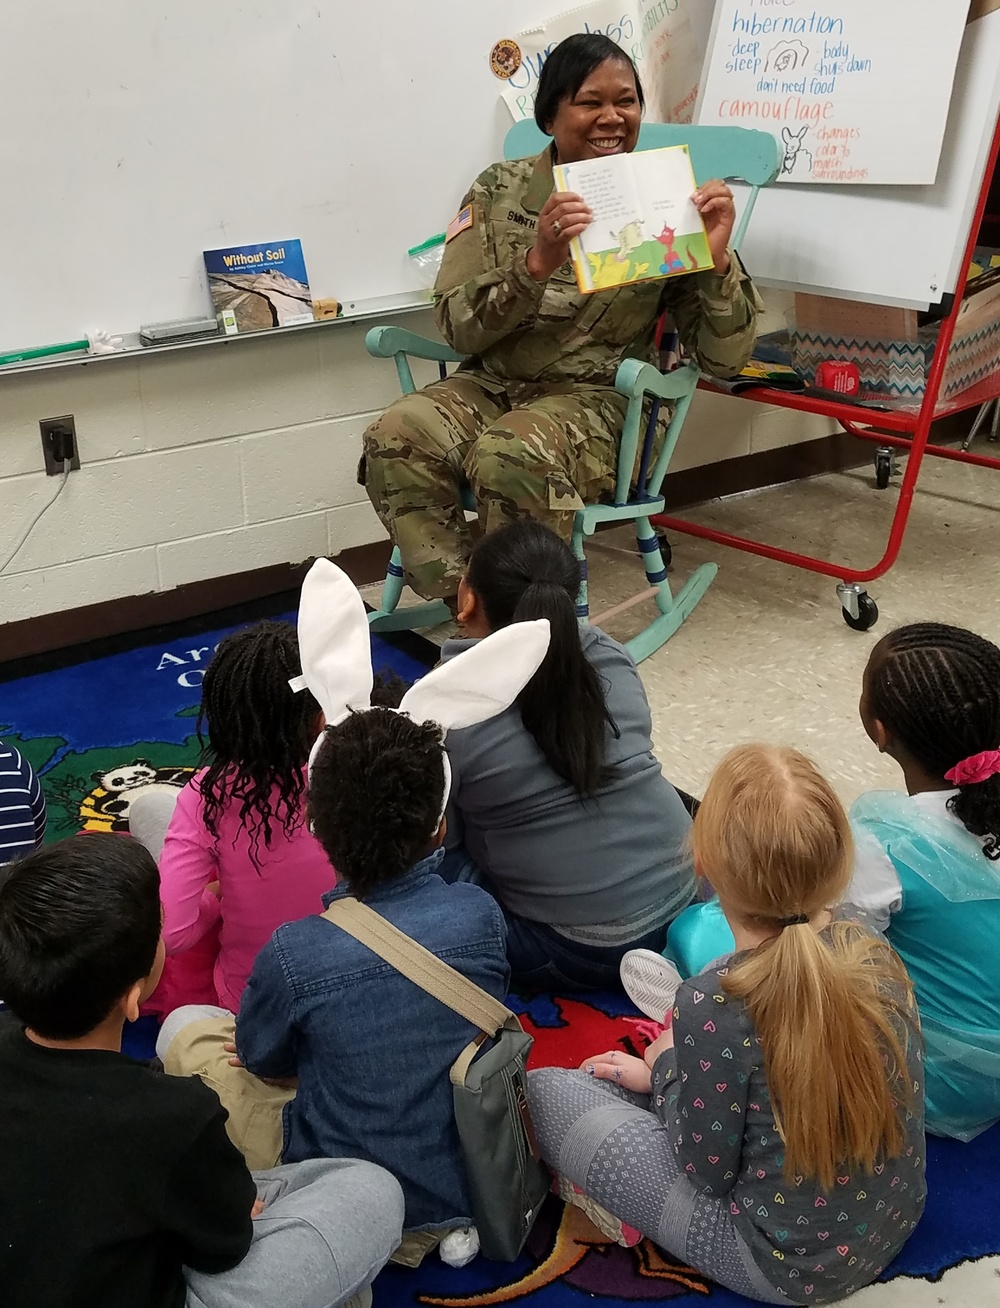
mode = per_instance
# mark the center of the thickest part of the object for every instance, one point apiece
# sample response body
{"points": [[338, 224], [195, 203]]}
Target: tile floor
{"points": [[767, 656]]}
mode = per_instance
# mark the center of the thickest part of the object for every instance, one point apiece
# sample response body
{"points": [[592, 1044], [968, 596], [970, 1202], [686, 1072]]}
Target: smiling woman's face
{"points": [[602, 118]]}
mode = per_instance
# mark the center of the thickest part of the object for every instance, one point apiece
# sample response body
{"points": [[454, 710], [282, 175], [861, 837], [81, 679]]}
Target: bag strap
{"points": [[419, 965]]}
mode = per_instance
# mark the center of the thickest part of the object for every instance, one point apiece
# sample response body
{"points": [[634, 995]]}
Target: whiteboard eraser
{"points": [[182, 329]]}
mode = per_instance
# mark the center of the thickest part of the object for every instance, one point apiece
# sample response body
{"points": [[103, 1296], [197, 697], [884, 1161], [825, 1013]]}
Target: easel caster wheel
{"points": [[883, 468], [867, 614]]}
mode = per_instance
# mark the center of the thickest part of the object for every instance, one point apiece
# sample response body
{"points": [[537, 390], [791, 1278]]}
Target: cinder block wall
{"points": [[212, 461]]}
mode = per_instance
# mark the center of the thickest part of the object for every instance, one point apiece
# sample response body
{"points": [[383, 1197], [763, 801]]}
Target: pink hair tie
{"points": [[980, 767]]}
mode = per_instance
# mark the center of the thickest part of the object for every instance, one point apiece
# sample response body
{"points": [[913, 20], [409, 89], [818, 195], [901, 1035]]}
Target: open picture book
{"points": [[645, 222]]}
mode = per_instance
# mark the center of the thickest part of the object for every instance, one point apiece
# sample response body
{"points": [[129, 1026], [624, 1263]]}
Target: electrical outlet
{"points": [[58, 443]]}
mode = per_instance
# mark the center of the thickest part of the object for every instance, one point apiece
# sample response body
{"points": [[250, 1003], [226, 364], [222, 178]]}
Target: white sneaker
{"points": [[650, 982], [459, 1247]]}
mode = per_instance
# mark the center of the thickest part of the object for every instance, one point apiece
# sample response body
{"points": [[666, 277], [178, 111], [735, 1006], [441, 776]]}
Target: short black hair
{"points": [[79, 925], [568, 67], [375, 790], [388, 689]]}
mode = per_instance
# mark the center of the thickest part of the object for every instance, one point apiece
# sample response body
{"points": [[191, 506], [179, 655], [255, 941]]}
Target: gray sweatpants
{"points": [[328, 1227], [608, 1141]]}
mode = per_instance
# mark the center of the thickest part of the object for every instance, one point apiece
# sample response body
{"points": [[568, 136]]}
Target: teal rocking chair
{"points": [[731, 153]]}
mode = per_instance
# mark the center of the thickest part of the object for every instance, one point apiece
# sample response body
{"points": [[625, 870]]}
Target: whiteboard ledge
{"points": [[355, 311]]}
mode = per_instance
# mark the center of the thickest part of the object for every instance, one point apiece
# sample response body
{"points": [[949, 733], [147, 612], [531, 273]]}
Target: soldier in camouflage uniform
{"points": [[531, 420]]}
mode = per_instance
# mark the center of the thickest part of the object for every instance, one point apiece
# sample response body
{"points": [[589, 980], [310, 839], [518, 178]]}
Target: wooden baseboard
{"points": [[366, 563], [98, 622]]}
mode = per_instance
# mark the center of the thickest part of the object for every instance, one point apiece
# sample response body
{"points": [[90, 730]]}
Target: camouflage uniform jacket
{"points": [[515, 329]]}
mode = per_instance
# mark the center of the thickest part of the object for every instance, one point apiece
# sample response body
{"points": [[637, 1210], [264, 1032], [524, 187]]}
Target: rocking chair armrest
{"points": [[388, 342]]}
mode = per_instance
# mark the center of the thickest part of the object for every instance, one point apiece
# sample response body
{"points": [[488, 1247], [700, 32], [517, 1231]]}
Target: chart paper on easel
{"points": [[856, 91], [666, 38]]}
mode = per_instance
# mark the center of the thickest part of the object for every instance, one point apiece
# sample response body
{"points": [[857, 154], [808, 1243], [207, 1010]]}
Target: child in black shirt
{"points": [[121, 1187]]}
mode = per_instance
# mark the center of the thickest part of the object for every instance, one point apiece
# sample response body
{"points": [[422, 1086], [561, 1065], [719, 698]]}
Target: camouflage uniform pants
{"points": [[526, 451]]}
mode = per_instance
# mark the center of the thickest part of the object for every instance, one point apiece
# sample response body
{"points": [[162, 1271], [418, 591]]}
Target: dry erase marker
{"points": [[97, 342], [42, 351]]}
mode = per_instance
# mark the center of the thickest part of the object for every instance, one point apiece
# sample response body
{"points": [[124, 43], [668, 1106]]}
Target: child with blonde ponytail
{"points": [[773, 1136]]}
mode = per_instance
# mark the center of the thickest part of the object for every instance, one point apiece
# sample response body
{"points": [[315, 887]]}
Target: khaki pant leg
{"points": [[413, 470], [254, 1108], [545, 459]]}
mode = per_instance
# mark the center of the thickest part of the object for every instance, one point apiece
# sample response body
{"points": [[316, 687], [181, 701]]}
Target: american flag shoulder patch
{"points": [[460, 223]]}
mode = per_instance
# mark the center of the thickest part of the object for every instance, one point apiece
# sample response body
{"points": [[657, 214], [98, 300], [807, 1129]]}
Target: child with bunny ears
{"points": [[356, 1057]]}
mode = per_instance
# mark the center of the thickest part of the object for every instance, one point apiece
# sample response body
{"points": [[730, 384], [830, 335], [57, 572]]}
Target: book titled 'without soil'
{"points": [[262, 285]]}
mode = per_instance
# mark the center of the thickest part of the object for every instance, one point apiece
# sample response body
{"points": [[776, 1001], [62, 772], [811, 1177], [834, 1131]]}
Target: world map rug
{"points": [[98, 730]]}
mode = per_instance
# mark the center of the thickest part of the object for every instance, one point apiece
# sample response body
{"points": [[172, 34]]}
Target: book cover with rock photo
{"points": [[262, 285]]}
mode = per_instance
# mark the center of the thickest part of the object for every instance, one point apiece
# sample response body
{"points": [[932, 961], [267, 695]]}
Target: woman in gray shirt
{"points": [[558, 806]]}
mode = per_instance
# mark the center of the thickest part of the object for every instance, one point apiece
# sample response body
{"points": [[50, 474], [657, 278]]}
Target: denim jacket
{"points": [[371, 1050]]}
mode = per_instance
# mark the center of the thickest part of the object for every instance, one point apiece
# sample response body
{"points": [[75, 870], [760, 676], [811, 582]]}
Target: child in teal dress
{"points": [[927, 864]]}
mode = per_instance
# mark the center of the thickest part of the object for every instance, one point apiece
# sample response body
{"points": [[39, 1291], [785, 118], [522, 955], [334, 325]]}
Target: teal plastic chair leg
{"points": [[674, 609], [389, 617]]}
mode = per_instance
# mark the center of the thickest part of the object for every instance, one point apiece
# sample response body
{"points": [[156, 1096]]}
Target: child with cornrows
{"points": [[928, 862], [772, 1137], [237, 855]]}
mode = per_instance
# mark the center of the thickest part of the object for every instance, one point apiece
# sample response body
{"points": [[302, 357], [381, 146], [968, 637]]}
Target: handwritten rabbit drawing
{"points": [[797, 158]]}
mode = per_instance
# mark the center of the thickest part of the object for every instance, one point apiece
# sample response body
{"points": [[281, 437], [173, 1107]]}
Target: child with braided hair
{"points": [[928, 862], [235, 852]]}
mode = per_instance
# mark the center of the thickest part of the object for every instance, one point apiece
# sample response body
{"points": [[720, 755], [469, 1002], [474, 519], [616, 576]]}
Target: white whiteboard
{"points": [[137, 135], [857, 93], [898, 245]]}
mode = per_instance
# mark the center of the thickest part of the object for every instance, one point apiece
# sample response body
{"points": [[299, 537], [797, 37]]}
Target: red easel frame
{"points": [[917, 424]]}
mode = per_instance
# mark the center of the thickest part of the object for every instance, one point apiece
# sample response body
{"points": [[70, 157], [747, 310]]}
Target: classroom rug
{"points": [[567, 1258], [100, 728]]}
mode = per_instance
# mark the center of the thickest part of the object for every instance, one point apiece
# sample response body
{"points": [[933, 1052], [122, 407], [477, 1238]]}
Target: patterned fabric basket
{"points": [[892, 352]]}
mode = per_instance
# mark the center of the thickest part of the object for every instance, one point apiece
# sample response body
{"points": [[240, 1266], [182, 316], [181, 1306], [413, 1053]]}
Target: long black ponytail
{"points": [[521, 572]]}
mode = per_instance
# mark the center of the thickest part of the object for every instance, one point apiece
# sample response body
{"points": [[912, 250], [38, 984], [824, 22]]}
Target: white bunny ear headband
{"points": [[335, 648]]}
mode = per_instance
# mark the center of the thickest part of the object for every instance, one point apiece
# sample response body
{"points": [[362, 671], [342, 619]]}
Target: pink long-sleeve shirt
{"points": [[285, 883]]}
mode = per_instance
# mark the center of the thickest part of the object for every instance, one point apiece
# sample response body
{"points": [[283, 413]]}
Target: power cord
{"points": [[67, 464]]}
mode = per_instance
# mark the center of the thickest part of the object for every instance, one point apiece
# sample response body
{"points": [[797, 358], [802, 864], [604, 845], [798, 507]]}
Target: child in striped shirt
{"points": [[22, 805]]}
